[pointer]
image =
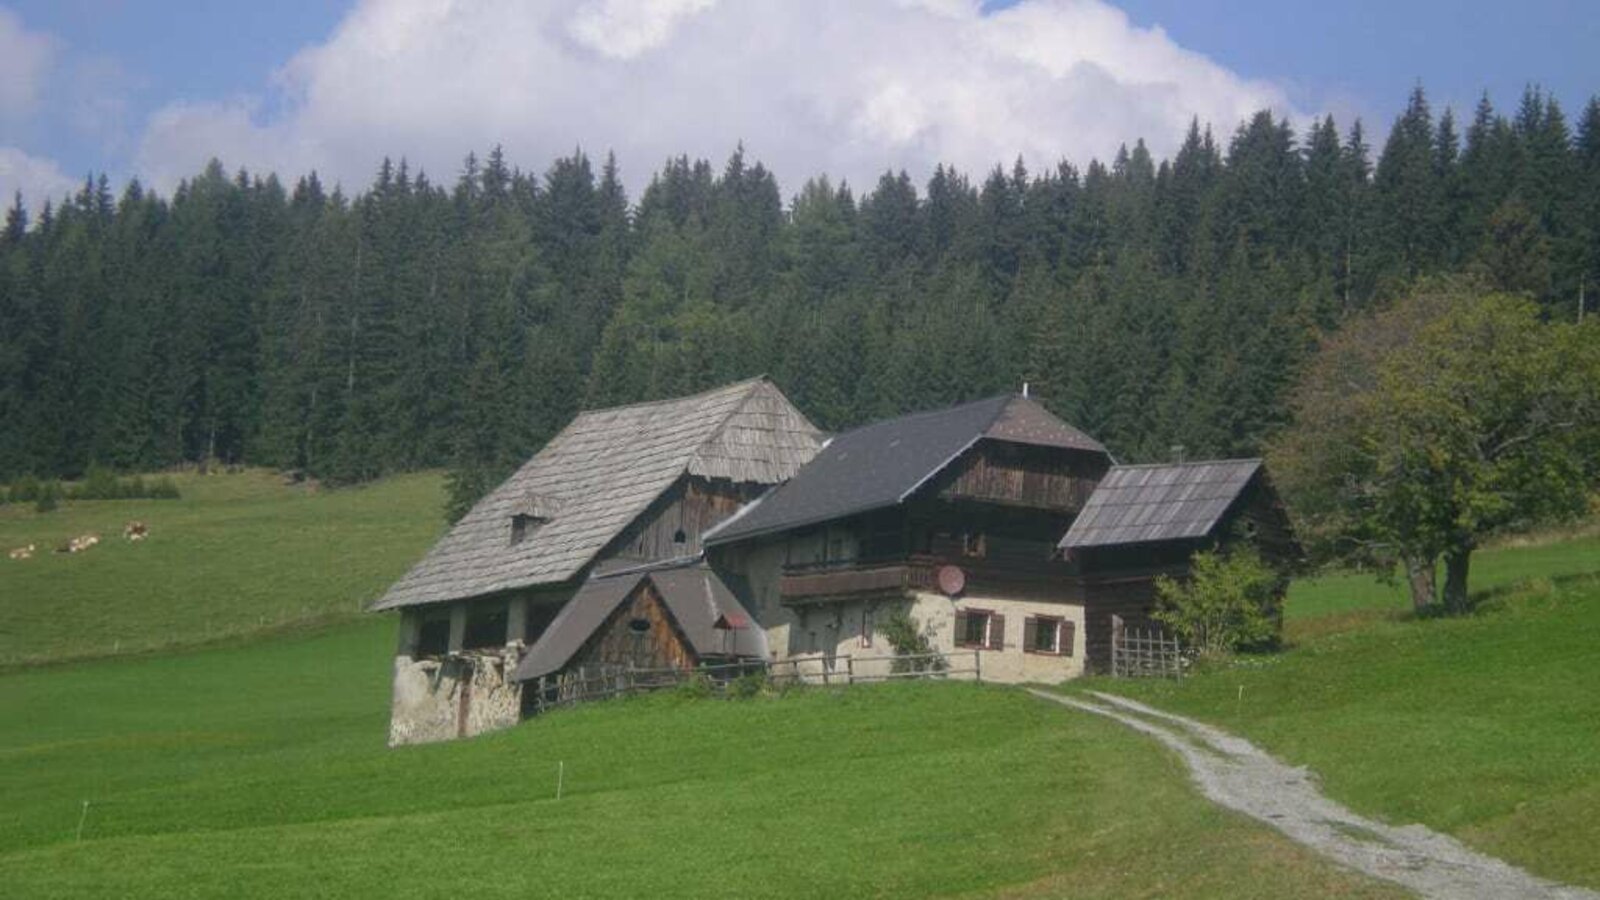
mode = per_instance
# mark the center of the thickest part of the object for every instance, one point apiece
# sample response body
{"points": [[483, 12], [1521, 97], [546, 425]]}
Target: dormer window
{"points": [[522, 526], [529, 514]]}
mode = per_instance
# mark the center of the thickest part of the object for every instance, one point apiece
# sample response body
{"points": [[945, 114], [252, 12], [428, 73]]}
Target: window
{"points": [[1049, 635], [974, 544], [486, 626], [980, 628], [523, 526], [433, 634], [866, 627]]}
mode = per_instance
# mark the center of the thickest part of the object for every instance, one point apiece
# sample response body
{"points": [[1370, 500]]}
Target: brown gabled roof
{"points": [[1139, 504], [705, 610], [882, 464], [595, 477]]}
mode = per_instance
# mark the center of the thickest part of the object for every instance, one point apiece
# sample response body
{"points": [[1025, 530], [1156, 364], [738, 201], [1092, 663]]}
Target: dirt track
{"points": [[1238, 775]]}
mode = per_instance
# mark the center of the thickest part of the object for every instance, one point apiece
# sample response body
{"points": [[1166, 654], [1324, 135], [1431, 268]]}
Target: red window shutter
{"points": [[1069, 638], [997, 631], [960, 633]]}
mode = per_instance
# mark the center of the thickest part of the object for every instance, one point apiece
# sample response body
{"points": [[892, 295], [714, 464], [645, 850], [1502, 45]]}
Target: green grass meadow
{"points": [[236, 555], [261, 771], [204, 714], [1486, 726]]}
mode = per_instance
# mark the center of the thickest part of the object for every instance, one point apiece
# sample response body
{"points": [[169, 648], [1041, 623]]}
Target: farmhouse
{"points": [[588, 554], [1002, 530], [953, 514], [725, 528]]}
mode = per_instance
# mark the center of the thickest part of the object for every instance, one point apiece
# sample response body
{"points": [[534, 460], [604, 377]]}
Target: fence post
{"points": [[1116, 646], [849, 670]]}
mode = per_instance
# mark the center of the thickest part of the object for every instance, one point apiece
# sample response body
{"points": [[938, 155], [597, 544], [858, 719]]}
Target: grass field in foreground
{"points": [[1487, 726], [260, 771], [238, 554]]}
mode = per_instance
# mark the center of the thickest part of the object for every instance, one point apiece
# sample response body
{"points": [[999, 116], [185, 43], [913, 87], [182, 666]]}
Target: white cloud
{"points": [[622, 29], [25, 56], [38, 179], [846, 87]]}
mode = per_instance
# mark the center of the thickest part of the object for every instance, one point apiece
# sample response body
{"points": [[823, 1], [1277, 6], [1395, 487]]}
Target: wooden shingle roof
{"points": [[595, 477], [1139, 504]]}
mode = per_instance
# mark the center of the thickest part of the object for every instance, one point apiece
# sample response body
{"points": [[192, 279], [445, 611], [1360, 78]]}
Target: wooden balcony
{"points": [[834, 582], [823, 582]]}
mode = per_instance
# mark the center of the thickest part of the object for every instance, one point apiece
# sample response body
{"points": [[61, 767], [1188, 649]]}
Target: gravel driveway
{"points": [[1236, 774]]}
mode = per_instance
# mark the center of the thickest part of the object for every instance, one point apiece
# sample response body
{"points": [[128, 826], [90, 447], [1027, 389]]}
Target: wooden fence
{"points": [[1145, 653], [587, 683]]}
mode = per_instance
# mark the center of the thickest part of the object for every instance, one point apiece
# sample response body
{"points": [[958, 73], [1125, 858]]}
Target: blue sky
{"points": [[153, 88]]}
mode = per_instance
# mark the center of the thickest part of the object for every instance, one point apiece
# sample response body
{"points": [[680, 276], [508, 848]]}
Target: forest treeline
{"points": [[1155, 304]]}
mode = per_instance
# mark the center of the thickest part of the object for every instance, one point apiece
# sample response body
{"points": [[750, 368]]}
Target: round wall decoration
{"points": [[952, 580]]}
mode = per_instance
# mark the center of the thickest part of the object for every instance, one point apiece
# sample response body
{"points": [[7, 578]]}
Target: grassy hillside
{"points": [[1544, 555], [236, 555], [1486, 726], [261, 770]]}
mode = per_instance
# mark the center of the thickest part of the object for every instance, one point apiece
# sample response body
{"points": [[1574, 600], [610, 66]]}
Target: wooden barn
{"points": [[1142, 522], [539, 569]]}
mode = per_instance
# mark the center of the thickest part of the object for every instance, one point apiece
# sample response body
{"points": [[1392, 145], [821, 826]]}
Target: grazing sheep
{"points": [[136, 531], [22, 552]]}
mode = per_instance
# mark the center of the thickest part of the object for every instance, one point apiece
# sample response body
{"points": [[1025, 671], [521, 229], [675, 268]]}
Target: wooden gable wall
{"points": [[1023, 475], [687, 510], [660, 645]]}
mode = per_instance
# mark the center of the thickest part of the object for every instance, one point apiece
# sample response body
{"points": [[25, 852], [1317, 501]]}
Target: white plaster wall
{"points": [[838, 628]]}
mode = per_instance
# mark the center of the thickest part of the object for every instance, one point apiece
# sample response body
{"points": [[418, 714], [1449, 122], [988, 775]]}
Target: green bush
{"points": [[48, 498], [696, 687], [908, 642], [99, 483], [1231, 601], [25, 489], [748, 685]]}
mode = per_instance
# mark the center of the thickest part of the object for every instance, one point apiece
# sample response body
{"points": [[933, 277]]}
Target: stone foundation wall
{"points": [[439, 699]]}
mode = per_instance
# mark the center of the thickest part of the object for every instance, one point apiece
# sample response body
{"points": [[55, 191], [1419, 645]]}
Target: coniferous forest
{"points": [[1154, 303]]}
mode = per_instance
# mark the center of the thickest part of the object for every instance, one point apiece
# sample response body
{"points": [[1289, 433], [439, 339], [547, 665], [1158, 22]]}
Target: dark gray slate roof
{"points": [[695, 596], [595, 477], [882, 464], [1138, 504]]}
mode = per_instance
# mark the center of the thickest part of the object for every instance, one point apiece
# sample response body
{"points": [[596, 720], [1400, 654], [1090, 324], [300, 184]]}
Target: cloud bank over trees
{"points": [[843, 87]]}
